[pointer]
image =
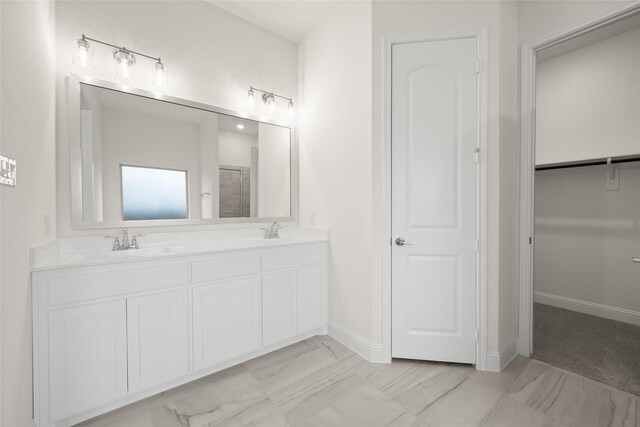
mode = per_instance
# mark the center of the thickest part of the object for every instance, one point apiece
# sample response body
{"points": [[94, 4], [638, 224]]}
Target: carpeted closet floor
{"points": [[601, 349]]}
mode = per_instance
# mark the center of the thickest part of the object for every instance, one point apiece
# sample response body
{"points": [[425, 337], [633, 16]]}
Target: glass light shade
{"points": [[160, 75], [251, 98], [124, 64], [270, 102], [83, 54]]}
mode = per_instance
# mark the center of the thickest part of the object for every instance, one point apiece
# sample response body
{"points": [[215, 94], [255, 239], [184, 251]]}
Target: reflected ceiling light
{"points": [[240, 126], [269, 99], [125, 60]]}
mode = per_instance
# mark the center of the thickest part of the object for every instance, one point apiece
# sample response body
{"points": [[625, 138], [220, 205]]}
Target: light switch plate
{"points": [[8, 169]]}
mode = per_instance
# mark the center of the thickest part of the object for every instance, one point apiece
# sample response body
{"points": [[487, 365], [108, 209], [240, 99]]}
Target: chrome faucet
{"points": [[117, 246], [271, 232]]}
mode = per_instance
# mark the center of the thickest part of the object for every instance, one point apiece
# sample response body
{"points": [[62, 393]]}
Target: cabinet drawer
{"points": [[223, 268], [80, 286], [292, 258]]}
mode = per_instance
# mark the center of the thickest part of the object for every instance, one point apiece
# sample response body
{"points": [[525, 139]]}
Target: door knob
{"points": [[400, 242]]}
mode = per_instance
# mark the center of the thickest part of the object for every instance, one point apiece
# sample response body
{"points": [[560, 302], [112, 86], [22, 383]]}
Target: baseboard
{"points": [[497, 361], [373, 353], [586, 307]]}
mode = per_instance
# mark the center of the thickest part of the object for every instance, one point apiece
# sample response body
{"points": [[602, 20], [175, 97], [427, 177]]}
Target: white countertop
{"points": [[96, 250]]}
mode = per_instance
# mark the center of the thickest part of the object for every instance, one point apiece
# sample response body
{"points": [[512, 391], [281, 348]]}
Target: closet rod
{"points": [[594, 162]]}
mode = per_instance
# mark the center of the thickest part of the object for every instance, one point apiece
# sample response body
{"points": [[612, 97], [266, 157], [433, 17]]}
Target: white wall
{"points": [[274, 171], [145, 140], [586, 236], [235, 148], [335, 157], [212, 57], [509, 179], [587, 102], [28, 135]]}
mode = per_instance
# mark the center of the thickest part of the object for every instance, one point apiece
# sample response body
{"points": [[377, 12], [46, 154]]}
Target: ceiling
{"points": [[229, 123], [289, 19]]}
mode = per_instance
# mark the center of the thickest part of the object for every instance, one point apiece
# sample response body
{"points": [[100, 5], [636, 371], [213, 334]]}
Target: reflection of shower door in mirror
{"points": [[235, 192]]}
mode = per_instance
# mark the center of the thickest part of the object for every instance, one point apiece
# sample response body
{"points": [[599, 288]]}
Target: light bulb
{"points": [[160, 76], [291, 108], [251, 98], [124, 63], [270, 102], [83, 54], [240, 126]]}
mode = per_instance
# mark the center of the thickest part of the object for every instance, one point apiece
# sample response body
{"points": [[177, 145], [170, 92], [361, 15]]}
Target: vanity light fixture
{"points": [[125, 60], [269, 99], [124, 63], [83, 57], [251, 98]]}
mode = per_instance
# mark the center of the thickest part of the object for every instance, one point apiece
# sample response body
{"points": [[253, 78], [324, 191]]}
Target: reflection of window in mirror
{"points": [[153, 193]]}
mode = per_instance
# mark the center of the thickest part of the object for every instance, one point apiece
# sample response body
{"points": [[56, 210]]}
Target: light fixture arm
{"points": [[266, 92], [121, 48]]}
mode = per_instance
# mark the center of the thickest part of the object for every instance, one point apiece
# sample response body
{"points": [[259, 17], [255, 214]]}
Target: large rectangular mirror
{"points": [[142, 159]]}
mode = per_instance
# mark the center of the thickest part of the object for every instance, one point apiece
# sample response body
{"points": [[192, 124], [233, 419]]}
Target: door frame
{"points": [[480, 34], [527, 158]]}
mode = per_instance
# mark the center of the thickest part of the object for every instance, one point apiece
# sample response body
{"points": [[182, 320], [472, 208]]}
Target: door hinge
{"points": [[477, 154], [530, 240], [477, 246], [477, 66]]}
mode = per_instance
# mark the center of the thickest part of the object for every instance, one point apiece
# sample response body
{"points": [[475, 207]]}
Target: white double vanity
{"points": [[113, 327], [119, 319]]}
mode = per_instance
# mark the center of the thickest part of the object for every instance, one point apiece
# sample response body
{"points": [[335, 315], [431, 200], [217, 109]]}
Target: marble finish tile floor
{"points": [[319, 382]]}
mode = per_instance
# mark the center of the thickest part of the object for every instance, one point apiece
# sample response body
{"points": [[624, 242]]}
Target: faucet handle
{"points": [[134, 241]]}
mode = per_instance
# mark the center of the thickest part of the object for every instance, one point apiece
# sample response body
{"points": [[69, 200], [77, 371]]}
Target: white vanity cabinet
{"points": [[88, 357], [278, 307], [108, 335], [226, 321], [157, 338]]}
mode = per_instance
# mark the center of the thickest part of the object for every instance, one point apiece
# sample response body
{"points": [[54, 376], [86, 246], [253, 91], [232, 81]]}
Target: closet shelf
{"points": [[591, 162]]}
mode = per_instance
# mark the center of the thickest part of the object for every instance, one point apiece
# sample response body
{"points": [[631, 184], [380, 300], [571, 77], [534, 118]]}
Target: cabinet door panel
{"points": [[226, 321], [88, 357], [278, 307], [158, 338], [310, 300]]}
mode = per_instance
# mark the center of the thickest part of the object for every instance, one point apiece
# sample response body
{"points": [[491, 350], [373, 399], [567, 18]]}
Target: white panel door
{"points": [[226, 321], [87, 357], [278, 307], [309, 298], [434, 199], [158, 338]]}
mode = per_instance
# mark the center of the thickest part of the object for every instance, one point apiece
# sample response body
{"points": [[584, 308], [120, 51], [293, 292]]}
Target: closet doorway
{"points": [[580, 266]]}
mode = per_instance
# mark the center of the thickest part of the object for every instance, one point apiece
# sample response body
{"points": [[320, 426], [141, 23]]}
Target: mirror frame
{"points": [[74, 82]]}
